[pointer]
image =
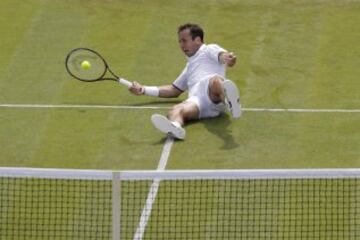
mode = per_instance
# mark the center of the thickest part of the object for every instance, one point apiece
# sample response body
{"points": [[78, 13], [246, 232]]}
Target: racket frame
{"points": [[102, 76]]}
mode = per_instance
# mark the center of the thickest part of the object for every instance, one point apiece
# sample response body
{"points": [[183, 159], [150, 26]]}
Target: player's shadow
{"points": [[220, 127], [156, 103]]}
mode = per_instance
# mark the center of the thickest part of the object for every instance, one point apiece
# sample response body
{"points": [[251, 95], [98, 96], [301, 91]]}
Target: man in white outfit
{"points": [[210, 93]]}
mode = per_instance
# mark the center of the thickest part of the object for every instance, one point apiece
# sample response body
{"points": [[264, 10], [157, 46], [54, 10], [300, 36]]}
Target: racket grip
{"points": [[125, 82]]}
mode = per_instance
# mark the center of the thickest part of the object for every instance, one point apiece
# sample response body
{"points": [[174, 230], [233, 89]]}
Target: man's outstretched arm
{"points": [[165, 91]]}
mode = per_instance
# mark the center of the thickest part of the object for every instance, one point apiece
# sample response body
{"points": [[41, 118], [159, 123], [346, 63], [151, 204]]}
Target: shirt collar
{"points": [[197, 52]]}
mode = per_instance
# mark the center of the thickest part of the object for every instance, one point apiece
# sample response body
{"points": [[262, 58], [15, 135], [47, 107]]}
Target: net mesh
{"points": [[245, 209], [39, 209], [193, 208]]}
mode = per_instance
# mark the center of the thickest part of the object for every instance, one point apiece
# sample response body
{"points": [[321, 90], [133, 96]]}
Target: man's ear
{"points": [[198, 40]]}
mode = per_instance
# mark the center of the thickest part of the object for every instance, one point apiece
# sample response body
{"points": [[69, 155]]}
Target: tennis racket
{"points": [[87, 65]]}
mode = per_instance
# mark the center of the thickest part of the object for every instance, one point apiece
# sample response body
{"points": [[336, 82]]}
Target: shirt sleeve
{"points": [[214, 50], [181, 81]]}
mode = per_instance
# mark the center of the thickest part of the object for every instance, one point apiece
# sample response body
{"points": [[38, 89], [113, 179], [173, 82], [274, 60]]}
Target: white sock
{"points": [[178, 125]]}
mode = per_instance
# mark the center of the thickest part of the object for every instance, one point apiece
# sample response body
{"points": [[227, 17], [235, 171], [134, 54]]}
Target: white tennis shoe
{"points": [[232, 98], [166, 126]]}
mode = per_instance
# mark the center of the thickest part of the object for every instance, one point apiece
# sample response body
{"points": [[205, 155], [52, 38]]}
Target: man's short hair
{"points": [[195, 30]]}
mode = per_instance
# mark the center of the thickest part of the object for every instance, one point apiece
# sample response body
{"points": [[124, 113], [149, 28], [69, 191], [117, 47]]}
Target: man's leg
{"points": [[225, 91], [216, 89], [183, 112], [176, 119]]}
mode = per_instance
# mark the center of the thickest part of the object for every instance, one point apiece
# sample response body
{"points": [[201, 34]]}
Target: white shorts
{"points": [[199, 95]]}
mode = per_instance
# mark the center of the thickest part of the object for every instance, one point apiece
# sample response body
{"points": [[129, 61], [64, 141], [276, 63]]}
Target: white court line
{"points": [[146, 212], [301, 110], [79, 106]]}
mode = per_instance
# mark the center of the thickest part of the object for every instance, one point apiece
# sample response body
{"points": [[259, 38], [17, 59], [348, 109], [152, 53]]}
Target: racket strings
{"points": [[93, 70]]}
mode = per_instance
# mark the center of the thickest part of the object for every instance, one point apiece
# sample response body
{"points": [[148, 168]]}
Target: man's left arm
{"points": [[227, 58]]}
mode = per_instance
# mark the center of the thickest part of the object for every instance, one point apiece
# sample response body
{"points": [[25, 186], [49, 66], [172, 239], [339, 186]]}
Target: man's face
{"points": [[187, 45]]}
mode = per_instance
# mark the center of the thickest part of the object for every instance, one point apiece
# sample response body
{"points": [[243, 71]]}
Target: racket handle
{"points": [[125, 82]]}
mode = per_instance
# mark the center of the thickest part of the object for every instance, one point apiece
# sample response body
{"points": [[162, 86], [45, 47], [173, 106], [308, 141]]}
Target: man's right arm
{"points": [[169, 91], [165, 91]]}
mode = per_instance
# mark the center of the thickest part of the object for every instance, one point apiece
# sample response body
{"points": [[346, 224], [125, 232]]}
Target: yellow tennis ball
{"points": [[85, 65]]}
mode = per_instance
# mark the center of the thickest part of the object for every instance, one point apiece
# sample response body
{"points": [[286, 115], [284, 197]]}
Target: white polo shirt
{"points": [[202, 65]]}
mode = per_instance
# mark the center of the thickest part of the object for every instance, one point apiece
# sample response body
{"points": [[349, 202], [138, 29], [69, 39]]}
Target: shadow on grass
{"points": [[219, 127], [156, 103], [163, 140]]}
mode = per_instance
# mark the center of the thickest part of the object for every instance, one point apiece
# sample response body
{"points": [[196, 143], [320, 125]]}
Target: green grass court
{"points": [[291, 54], [302, 54]]}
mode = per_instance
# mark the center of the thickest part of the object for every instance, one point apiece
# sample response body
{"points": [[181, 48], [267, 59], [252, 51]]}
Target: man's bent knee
{"points": [[216, 89]]}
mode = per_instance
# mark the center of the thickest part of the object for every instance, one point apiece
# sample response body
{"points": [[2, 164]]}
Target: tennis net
{"points": [[234, 204]]}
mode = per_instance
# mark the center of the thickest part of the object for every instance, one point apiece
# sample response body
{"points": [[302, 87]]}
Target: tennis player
{"points": [[210, 93]]}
